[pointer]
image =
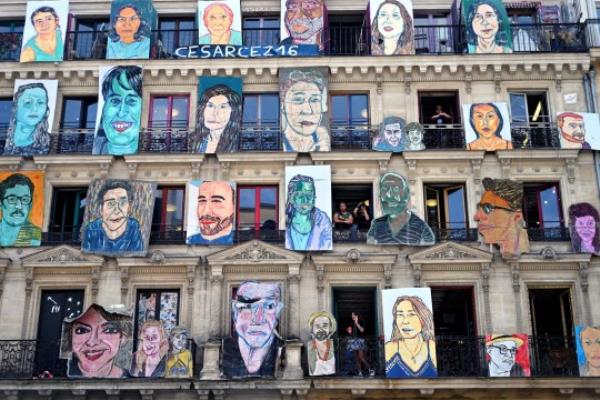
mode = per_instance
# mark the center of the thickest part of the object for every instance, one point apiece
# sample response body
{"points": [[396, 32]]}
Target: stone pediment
{"points": [[61, 256], [450, 252], [255, 251]]}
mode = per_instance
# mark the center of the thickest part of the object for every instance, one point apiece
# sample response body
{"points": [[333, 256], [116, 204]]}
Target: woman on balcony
{"points": [[47, 43], [392, 30]]}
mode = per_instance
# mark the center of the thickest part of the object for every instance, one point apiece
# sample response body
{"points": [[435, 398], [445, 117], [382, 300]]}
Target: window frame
{"points": [[158, 291], [163, 227], [257, 211], [86, 102], [541, 186], [170, 99]]}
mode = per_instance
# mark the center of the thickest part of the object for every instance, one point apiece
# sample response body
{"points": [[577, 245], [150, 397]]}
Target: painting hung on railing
{"points": [[392, 28], [584, 222], [507, 355], [219, 22], [304, 22], [44, 31], [487, 126], [150, 359], [211, 206], [588, 350], [579, 130], [180, 363], [321, 347], [488, 27], [131, 25], [391, 136]]}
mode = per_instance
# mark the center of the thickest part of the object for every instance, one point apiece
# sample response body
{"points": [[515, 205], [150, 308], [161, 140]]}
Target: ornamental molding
{"points": [[61, 256], [325, 156], [260, 268], [158, 260], [252, 157], [347, 259], [255, 252], [448, 253], [68, 159]]}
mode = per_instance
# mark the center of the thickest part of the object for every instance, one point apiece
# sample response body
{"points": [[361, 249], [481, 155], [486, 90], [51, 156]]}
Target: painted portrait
{"points": [[308, 208], [32, 116], [507, 355], [219, 115], [118, 121], [584, 222], [409, 333], [321, 347], [130, 32], [303, 22], [180, 363], [254, 348], [150, 358], [487, 126], [499, 216], [21, 208], [392, 29], [578, 130], [118, 217], [587, 340], [211, 216], [488, 27], [415, 134], [97, 343], [44, 31], [304, 119], [219, 22], [391, 135], [399, 224]]}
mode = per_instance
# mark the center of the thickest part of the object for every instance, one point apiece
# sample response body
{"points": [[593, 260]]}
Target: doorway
{"points": [[357, 300]]}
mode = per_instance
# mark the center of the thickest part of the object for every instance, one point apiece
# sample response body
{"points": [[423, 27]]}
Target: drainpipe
{"points": [[592, 82]]}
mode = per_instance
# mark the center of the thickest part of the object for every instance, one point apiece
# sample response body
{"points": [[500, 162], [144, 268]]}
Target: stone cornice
{"points": [[448, 253], [254, 252], [158, 259], [11, 163], [285, 157], [443, 155], [61, 257], [72, 159], [354, 257], [162, 158], [538, 154], [325, 156]]}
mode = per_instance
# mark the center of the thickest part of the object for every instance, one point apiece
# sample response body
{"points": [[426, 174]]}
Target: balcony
{"points": [[455, 234], [558, 233]]}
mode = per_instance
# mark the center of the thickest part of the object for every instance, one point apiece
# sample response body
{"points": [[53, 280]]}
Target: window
{"points": [[350, 121], [169, 111], [66, 214], [79, 113], [257, 207], [453, 311], [359, 300], [433, 33], [528, 108], [157, 304], [542, 206], [175, 33], [353, 195], [5, 114], [345, 35], [167, 219], [260, 123], [441, 132], [89, 39], [260, 31], [446, 207], [11, 37]]}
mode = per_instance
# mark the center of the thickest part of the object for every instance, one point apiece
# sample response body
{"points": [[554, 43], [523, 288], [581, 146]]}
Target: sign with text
{"points": [[230, 51]]}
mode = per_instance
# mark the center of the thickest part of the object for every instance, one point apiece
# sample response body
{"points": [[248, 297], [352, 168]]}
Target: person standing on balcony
{"points": [[304, 22], [486, 122], [440, 117], [392, 29], [47, 44], [357, 344], [129, 36], [488, 29], [218, 19]]}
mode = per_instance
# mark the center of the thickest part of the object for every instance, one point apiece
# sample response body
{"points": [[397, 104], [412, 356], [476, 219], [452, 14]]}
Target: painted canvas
{"points": [[409, 333], [219, 22], [161, 304], [587, 339], [308, 208], [118, 217], [150, 358], [398, 225], [507, 355], [321, 347], [391, 135], [211, 215], [392, 28], [34, 103], [579, 130], [488, 27], [304, 117], [131, 25], [97, 343], [119, 115], [180, 363], [219, 115], [415, 133], [21, 208], [254, 348], [584, 222], [44, 31], [303, 22], [499, 216], [487, 126]]}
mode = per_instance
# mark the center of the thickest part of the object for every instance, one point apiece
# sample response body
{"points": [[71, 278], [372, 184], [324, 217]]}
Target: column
{"points": [[216, 289], [294, 306]]}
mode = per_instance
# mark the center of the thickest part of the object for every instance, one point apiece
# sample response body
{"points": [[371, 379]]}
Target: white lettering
{"points": [[219, 51], [204, 51], [254, 51], [293, 50], [229, 51]]}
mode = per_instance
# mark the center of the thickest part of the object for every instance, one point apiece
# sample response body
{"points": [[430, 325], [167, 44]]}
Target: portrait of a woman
{"points": [[392, 30], [486, 122], [583, 222], [47, 43], [129, 36], [150, 359], [410, 352], [219, 119], [487, 28], [218, 19], [28, 130]]}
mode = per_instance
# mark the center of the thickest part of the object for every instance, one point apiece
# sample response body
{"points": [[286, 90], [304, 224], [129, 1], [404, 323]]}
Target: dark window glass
{"points": [[157, 304], [260, 31], [89, 39], [11, 38], [169, 111], [257, 207], [79, 113], [175, 33], [355, 300], [66, 213], [349, 121], [446, 206], [11, 27], [345, 35], [5, 114], [542, 205], [260, 122], [453, 311], [428, 101], [168, 209]]}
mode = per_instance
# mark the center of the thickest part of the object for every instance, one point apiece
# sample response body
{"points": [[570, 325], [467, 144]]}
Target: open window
{"points": [[257, 208], [358, 199], [157, 304], [66, 214], [542, 210], [446, 205]]}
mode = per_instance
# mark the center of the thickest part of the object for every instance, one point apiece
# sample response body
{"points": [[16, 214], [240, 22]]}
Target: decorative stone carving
{"points": [[548, 253], [387, 275], [485, 277], [353, 255], [255, 253], [449, 253], [417, 272], [157, 257], [516, 276], [583, 275], [320, 277], [63, 256]]}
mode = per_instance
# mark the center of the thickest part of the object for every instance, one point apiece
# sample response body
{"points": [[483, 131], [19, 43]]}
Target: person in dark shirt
{"points": [[441, 117]]}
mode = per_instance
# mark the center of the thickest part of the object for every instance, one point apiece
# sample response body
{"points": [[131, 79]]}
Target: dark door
{"points": [[56, 305], [357, 300]]}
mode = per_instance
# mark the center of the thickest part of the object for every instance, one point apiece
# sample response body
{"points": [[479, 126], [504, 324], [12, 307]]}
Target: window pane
{"points": [[5, 111], [169, 307], [359, 107], [179, 113], [456, 209], [268, 211], [246, 207], [90, 114], [158, 206], [72, 113], [271, 23], [339, 110], [186, 25], [518, 108], [174, 208], [269, 110], [250, 109], [251, 23], [550, 206], [167, 25], [160, 112]]}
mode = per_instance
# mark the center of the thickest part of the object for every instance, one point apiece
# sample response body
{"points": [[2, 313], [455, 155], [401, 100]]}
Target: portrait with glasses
{"points": [[507, 355], [304, 22], [21, 208], [488, 27], [131, 24], [43, 38], [118, 215]]}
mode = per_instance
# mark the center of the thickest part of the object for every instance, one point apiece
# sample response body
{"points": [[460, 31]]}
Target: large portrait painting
{"points": [[488, 27], [118, 217], [210, 219], [499, 216], [507, 355], [219, 115], [32, 116], [308, 208], [254, 348], [409, 333], [131, 25], [487, 126], [391, 135], [180, 363], [97, 343], [22, 208], [392, 28], [587, 340], [303, 22], [118, 121], [584, 222], [219, 22], [321, 347], [150, 358], [399, 224], [44, 31], [579, 130], [304, 120]]}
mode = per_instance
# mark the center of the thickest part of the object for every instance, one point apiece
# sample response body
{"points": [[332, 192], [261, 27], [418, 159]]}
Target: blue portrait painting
{"points": [[131, 25]]}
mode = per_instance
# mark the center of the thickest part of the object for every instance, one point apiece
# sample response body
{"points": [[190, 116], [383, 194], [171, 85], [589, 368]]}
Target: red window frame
{"points": [[257, 190], [163, 211], [170, 98]]}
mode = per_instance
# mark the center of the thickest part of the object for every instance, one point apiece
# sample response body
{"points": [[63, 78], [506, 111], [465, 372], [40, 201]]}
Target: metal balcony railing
{"points": [[535, 135], [355, 137], [557, 233], [437, 39], [10, 46], [165, 139], [455, 234], [265, 137], [449, 136], [167, 234]]}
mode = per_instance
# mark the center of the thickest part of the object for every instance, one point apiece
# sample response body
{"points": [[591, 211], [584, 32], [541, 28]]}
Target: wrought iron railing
{"points": [[350, 363], [549, 38], [62, 234], [167, 234], [356, 137], [265, 235], [535, 135], [437, 39], [72, 141], [450, 136], [165, 139], [351, 234], [549, 234], [455, 234], [260, 138]]}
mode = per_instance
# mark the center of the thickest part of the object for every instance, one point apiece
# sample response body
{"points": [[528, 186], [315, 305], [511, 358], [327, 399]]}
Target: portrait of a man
{"points": [[488, 126], [588, 350], [119, 110], [253, 349], [308, 208], [43, 33], [117, 217], [507, 355], [212, 210], [398, 225], [499, 216], [131, 24], [304, 118], [392, 30], [391, 135], [303, 22], [180, 363], [21, 208], [415, 133], [220, 22], [321, 347], [584, 224], [488, 27], [573, 130]]}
